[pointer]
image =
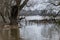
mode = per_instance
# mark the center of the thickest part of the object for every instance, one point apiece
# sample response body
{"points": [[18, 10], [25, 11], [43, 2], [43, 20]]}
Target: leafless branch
{"points": [[23, 4], [18, 2], [55, 4]]}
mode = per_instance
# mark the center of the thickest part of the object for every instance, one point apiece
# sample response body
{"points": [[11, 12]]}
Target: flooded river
{"points": [[37, 30]]}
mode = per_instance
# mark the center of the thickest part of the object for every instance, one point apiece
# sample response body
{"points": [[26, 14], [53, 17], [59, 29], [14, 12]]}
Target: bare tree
{"points": [[12, 12], [13, 17]]}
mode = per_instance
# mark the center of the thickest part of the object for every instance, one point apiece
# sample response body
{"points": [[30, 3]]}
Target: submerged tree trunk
{"points": [[13, 23], [14, 32], [13, 19]]}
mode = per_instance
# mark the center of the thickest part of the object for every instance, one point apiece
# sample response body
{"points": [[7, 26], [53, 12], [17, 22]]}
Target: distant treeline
{"points": [[38, 12]]}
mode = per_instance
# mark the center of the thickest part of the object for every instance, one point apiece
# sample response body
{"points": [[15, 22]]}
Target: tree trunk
{"points": [[14, 14], [13, 23], [13, 19]]}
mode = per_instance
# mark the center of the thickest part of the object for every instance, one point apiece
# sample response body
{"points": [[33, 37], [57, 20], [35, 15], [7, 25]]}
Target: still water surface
{"points": [[39, 31]]}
